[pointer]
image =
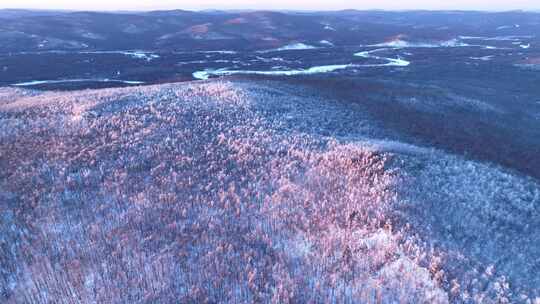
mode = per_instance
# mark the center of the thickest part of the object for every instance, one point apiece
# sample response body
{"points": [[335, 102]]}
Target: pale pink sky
{"points": [[492, 5]]}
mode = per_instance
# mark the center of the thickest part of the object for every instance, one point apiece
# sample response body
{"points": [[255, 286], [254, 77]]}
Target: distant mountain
{"points": [[34, 30]]}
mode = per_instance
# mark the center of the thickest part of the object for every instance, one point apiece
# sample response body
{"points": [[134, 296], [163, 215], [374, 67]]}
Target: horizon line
{"points": [[271, 10]]}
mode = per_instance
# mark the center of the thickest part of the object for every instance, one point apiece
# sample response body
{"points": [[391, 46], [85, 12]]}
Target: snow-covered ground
{"points": [[460, 41], [284, 71], [483, 58], [222, 52], [60, 81], [292, 47], [399, 43], [391, 61], [148, 56], [497, 38], [326, 43], [203, 75]]}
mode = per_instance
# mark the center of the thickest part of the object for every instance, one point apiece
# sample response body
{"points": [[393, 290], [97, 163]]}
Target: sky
{"points": [[490, 5]]}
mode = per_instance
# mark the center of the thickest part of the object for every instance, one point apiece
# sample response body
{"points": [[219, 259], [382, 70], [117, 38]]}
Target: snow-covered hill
{"points": [[243, 191]]}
